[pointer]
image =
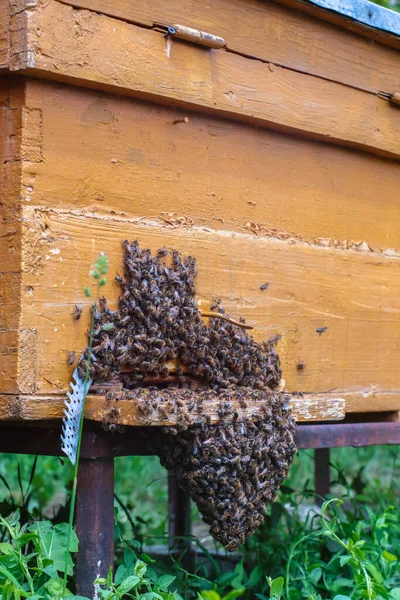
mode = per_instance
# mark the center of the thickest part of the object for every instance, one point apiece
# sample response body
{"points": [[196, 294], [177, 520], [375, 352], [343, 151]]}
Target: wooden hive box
{"points": [[287, 171]]}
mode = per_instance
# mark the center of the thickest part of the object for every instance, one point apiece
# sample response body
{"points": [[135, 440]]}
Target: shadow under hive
{"points": [[231, 469]]}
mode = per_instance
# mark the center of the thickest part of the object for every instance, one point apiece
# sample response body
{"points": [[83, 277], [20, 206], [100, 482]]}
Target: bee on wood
{"points": [[77, 312], [275, 339], [71, 358], [264, 286], [321, 330]]}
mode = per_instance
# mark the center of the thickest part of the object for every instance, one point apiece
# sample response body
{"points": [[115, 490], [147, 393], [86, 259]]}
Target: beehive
{"points": [[273, 159]]}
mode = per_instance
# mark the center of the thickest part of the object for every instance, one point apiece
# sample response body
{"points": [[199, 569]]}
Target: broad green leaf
{"points": [[210, 595], [240, 574], [151, 575], [51, 571], [7, 591], [122, 573], [276, 587], [234, 594], [53, 543], [128, 584], [55, 587], [389, 557], [374, 572], [316, 574], [147, 559], [341, 582], [140, 569], [341, 597], [395, 593], [380, 590], [7, 548], [165, 581], [23, 539], [11, 563], [13, 580], [226, 578], [255, 576], [129, 558]]}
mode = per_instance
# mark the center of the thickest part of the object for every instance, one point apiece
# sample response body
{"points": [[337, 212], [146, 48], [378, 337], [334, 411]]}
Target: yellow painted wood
{"points": [[273, 33], [355, 295], [87, 49], [123, 157], [124, 412]]}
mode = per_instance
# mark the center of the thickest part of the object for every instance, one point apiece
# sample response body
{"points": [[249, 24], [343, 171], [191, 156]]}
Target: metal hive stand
{"points": [[95, 497]]}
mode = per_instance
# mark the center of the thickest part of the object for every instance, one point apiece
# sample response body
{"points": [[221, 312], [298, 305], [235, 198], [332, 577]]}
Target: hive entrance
{"points": [[169, 362]]}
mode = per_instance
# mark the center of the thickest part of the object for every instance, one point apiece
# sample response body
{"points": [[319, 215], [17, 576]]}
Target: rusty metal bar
{"points": [[94, 522], [339, 435], [139, 441], [322, 474], [45, 441], [178, 511]]}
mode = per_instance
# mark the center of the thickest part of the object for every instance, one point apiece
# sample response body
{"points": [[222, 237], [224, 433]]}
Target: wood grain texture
{"points": [[10, 236], [356, 296], [98, 408], [125, 157], [273, 33], [4, 34], [321, 407], [343, 21], [97, 51], [9, 347]]}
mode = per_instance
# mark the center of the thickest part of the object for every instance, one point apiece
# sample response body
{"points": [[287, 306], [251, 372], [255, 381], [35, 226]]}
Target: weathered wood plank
{"points": [[9, 344], [321, 407], [273, 33], [314, 9], [18, 361], [36, 408], [115, 55], [356, 296], [121, 156], [4, 33]]}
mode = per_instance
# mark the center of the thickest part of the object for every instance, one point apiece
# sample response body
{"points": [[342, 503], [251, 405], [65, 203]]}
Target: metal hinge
{"points": [[189, 34]]}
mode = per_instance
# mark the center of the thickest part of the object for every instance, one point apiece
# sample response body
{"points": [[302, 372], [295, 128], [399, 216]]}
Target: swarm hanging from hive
{"points": [[231, 469]]}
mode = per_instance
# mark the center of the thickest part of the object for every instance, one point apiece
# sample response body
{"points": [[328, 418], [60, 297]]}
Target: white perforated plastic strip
{"points": [[72, 416]]}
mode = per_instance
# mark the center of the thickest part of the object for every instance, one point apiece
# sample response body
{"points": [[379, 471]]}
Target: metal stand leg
{"points": [[94, 521], [178, 511], [322, 474]]}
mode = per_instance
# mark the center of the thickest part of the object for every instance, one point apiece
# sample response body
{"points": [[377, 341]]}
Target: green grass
{"points": [[292, 544]]}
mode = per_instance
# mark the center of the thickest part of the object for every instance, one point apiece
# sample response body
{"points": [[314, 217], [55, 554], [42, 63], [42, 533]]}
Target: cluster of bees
{"points": [[158, 320], [231, 468]]}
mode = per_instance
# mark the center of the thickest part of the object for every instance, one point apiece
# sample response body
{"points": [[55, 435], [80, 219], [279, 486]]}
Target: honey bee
{"points": [[71, 358], [77, 312]]}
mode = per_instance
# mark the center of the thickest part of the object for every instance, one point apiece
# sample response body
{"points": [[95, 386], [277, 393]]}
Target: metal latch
{"points": [[189, 34]]}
